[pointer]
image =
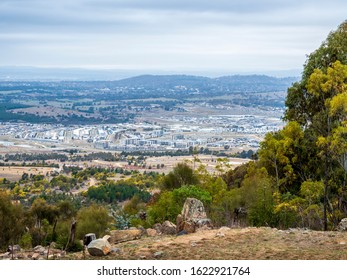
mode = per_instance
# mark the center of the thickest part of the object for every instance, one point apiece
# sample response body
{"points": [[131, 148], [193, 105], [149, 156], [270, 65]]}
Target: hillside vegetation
{"points": [[297, 180]]}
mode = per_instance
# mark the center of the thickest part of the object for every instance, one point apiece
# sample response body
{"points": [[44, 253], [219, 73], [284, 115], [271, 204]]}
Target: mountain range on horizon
{"points": [[29, 73]]}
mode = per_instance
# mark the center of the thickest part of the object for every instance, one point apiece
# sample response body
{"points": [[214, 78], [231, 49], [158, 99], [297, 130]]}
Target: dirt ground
{"points": [[238, 244], [209, 161]]}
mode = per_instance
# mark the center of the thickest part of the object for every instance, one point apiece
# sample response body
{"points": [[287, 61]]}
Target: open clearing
{"points": [[237, 244], [14, 173]]}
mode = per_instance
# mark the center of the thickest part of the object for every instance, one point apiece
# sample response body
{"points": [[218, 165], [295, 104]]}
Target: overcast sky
{"points": [[222, 36]]}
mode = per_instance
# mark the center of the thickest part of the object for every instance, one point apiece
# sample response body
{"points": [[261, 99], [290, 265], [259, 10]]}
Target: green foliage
{"points": [[280, 154], [116, 192], [92, 219], [134, 205], [181, 194], [122, 219], [313, 192], [64, 183], [182, 174], [40, 210], [257, 193], [26, 241], [11, 221], [170, 203], [164, 209]]}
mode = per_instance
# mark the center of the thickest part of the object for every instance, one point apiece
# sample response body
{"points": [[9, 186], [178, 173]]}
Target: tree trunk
{"points": [[326, 180], [72, 234]]}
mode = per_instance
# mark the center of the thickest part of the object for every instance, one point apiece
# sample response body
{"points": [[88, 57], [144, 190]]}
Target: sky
{"points": [[183, 36]]}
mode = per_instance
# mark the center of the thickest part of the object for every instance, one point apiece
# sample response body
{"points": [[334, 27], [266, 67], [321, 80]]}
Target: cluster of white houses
{"points": [[210, 132]]}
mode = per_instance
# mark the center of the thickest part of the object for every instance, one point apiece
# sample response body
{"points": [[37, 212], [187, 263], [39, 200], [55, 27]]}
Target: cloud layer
{"points": [[221, 35]]}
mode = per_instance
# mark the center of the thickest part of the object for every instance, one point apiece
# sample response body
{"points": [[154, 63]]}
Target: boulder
{"points": [[5, 256], [158, 254], [157, 227], [99, 247], [192, 217], [118, 236], [15, 249], [180, 224], [133, 228], [188, 226], [39, 249], [342, 225], [88, 238], [151, 232], [107, 237], [35, 256], [193, 210], [204, 223], [168, 228]]}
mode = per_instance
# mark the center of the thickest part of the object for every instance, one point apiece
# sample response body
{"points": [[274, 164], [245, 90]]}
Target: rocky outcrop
{"points": [[157, 227], [193, 210], [118, 236], [192, 217], [168, 228], [342, 225], [151, 232], [99, 247]]}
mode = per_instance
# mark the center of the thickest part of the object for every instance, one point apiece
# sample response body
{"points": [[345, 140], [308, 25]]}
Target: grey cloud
{"points": [[153, 15], [167, 33]]}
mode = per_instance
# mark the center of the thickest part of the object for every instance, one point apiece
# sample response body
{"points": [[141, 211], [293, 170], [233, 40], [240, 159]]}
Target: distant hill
{"points": [[165, 81], [132, 79], [235, 83]]}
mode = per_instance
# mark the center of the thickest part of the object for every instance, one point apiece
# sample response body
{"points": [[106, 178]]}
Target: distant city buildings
{"points": [[224, 131]]}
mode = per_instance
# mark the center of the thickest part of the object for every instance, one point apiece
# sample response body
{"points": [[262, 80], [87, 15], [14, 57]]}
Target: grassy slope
{"points": [[246, 243]]}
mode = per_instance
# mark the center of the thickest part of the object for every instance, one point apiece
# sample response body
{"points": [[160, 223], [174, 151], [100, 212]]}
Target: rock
{"points": [[342, 225], [158, 254], [88, 238], [193, 210], [182, 232], [5, 256], [204, 223], [107, 237], [39, 249], [223, 229], [192, 217], [35, 256], [132, 228], [143, 231], [15, 248], [188, 226], [53, 245], [220, 234], [115, 251], [168, 228], [151, 232], [157, 227], [118, 236], [99, 247]]}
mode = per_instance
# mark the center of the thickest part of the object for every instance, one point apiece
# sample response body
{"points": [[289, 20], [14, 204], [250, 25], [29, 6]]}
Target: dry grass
{"points": [[239, 244], [14, 173]]}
